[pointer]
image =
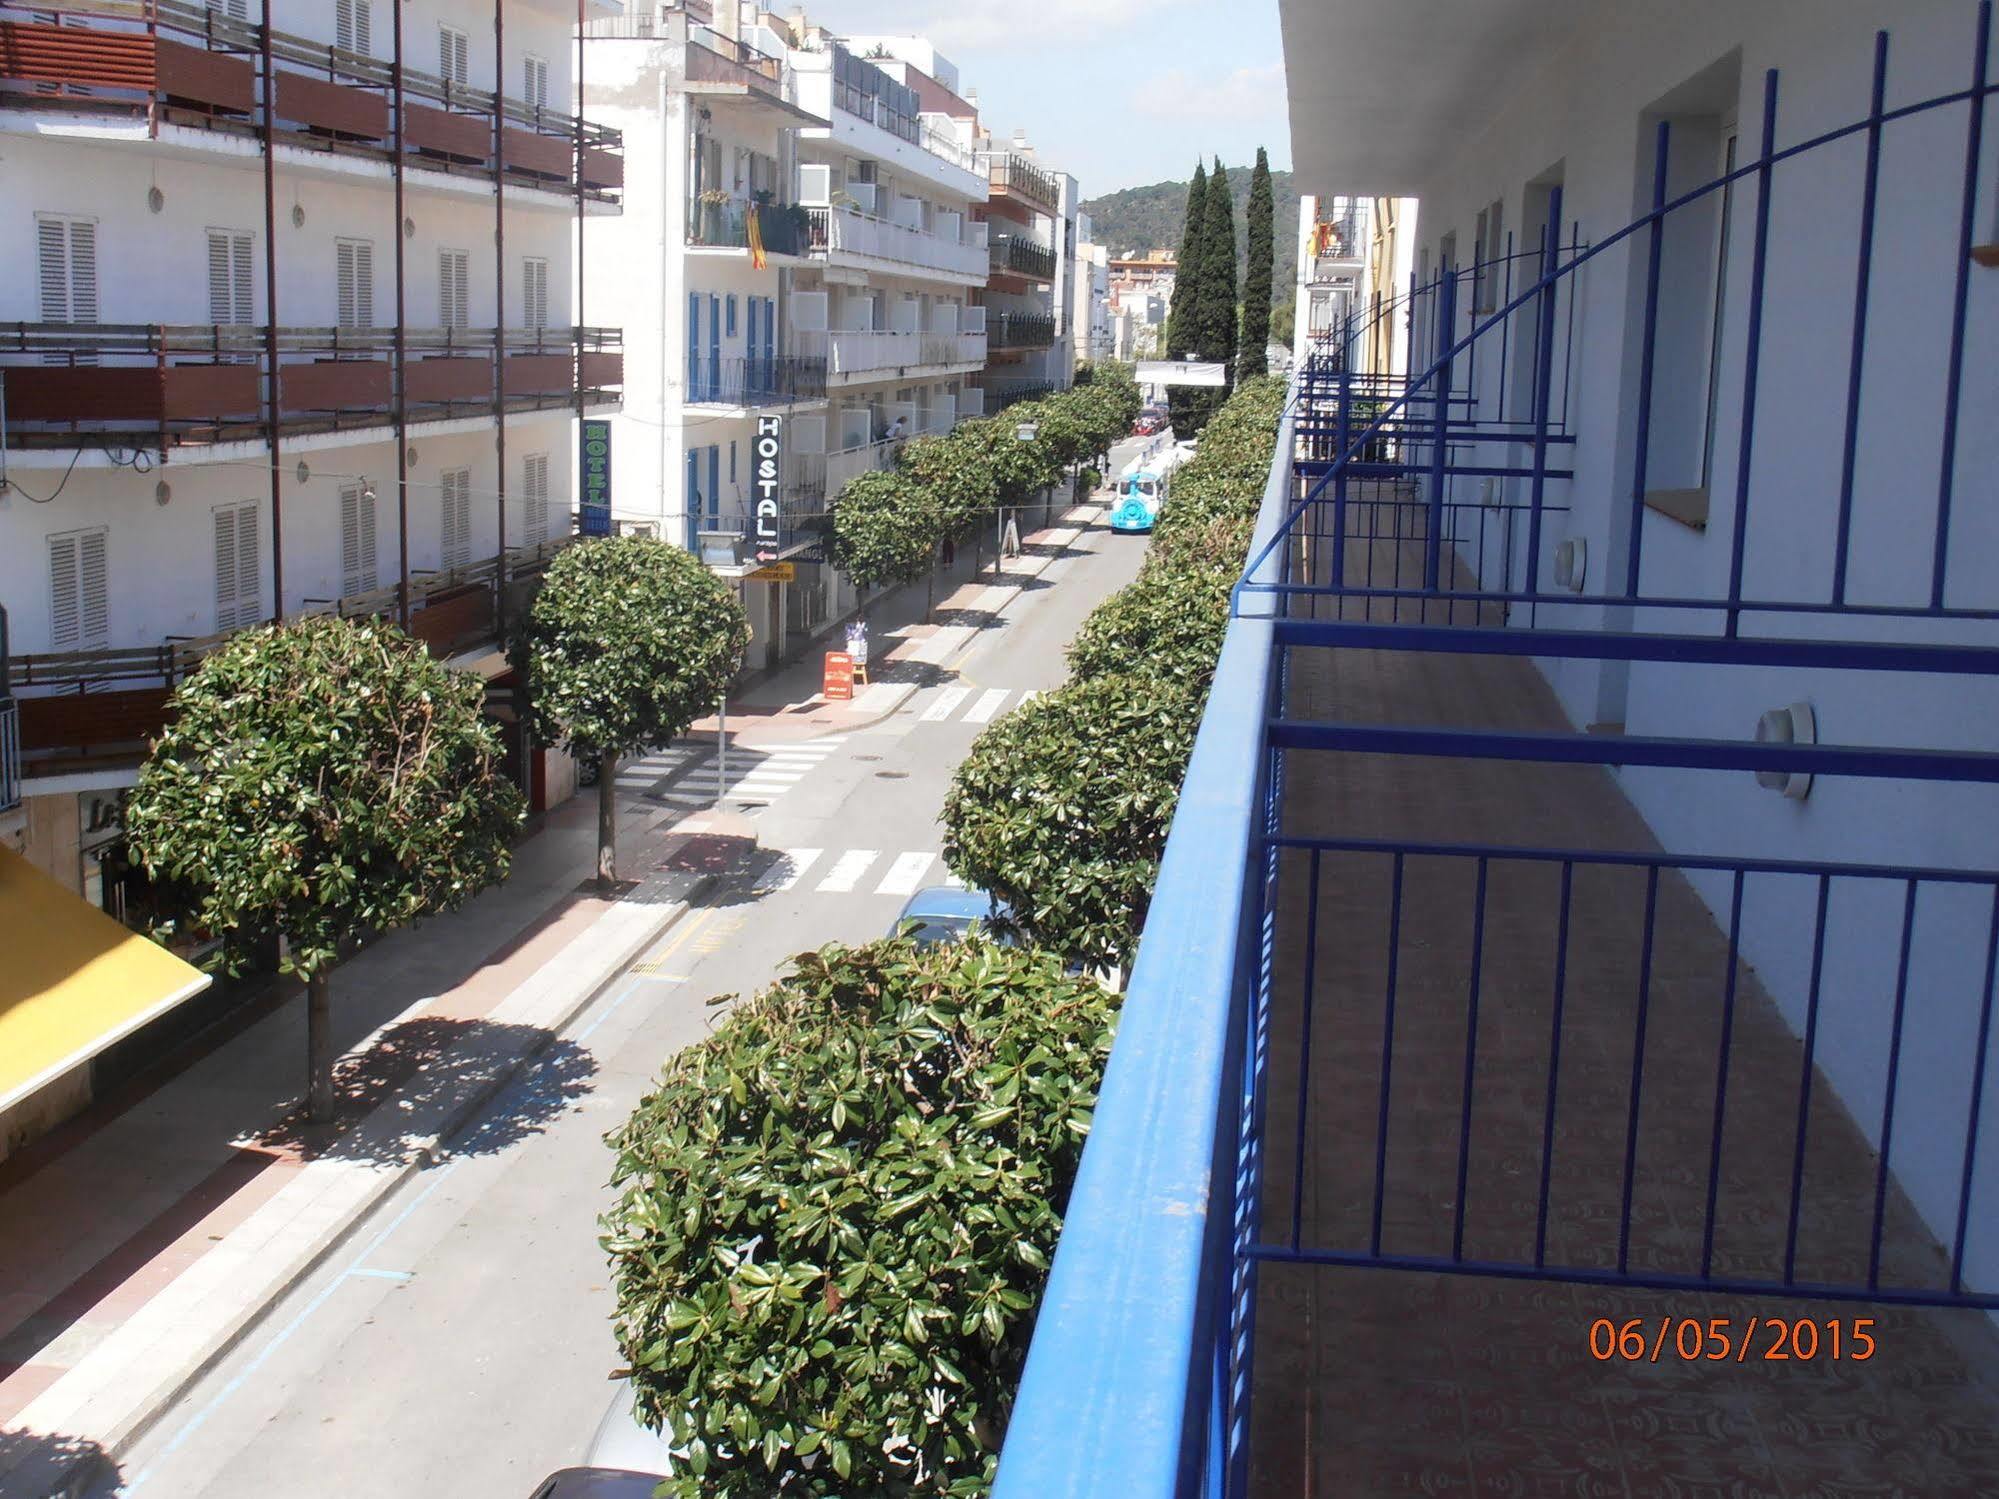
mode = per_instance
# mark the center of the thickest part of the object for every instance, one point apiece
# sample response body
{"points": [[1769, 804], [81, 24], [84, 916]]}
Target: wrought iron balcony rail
{"points": [[1000, 394], [1019, 330], [190, 64], [1010, 172], [1022, 256], [783, 228], [759, 380], [165, 384]]}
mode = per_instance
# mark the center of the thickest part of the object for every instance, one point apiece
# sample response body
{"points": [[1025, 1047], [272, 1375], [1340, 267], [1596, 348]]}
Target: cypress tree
{"points": [[1184, 321], [1218, 288], [1252, 357]]}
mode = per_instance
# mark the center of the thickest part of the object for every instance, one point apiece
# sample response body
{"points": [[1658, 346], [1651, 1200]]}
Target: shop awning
{"points": [[72, 980]]}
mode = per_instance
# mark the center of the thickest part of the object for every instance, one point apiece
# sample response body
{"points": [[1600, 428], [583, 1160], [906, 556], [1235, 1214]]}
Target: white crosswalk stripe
{"points": [[847, 871], [905, 875], [988, 704], [946, 704], [788, 870], [952, 881], [1029, 696], [753, 775]]}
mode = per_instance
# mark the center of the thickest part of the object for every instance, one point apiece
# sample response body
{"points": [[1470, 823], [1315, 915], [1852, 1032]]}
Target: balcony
{"points": [[1020, 330], [168, 386], [1017, 255], [193, 66], [784, 229], [779, 380], [1489, 1073], [110, 703], [851, 354], [1001, 393], [1015, 178], [846, 236]]}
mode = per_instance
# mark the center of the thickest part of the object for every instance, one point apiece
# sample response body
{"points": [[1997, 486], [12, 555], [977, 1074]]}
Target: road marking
{"points": [[847, 871], [987, 705], [946, 704], [906, 874], [1029, 696], [952, 882], [787, 871]]}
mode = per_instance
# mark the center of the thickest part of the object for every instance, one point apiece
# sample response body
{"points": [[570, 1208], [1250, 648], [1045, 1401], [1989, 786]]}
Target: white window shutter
{"points": [[53, 236], [63, 604], [357, 540], [79, 591], [355, 273], [352, 25], [535, 81], [453, 292], [225, 567], [82, 271], [242, 258], [534, 292], [534, 499], [238, 579], [457, 517]]}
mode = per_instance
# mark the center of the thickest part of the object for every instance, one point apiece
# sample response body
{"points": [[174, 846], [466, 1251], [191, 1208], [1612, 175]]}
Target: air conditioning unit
{"points": [[1571, 563], [1797, 724]]}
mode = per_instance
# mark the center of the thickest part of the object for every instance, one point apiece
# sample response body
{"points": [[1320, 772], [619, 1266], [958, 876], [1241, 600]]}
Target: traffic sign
{"points": [[773, 572]]}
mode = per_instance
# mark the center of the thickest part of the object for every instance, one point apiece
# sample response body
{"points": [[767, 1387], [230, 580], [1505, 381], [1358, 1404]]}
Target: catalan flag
{"points": [[753, 231]]}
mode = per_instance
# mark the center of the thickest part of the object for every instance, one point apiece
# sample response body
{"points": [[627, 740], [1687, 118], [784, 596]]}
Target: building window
{"points": [[351, 25], [357, 539], [68, 254], [232, 296], [534, 81], [451, 55], [454, 292], [239, 582], [354, 269], [534, 499], [455, 549], [534, 292], [79, 591], [732, 314]]}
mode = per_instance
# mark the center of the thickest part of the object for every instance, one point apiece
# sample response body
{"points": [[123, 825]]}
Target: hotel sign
{"points": [[768, 448], [594, 503]]}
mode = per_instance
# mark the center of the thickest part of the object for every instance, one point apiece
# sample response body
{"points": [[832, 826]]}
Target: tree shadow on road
{"points": [[423, 1076], [63, 1467]]}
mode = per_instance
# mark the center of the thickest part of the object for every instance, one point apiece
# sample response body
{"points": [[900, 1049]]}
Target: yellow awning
{"points": [[72, 980]]}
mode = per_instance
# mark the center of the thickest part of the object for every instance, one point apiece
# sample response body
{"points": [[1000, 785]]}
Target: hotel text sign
{"points": [[766, 452]]}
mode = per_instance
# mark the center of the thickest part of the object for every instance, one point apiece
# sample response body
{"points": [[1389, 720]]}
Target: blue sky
{"points": [[1116, 92]]}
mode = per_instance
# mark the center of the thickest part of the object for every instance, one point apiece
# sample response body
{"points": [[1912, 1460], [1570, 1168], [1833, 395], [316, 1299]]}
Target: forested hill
{"points": [[1147, 218]]}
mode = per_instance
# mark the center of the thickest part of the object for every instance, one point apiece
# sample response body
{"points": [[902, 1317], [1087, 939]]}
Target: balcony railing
{"points": [[164, 385], [1431, 1030], [1010, 173], [1020, 256], [180, 63], [784, 228], [774, 380], [859, 352], [837, 233], [1002, 393], [1019, 330], [714, 58]]}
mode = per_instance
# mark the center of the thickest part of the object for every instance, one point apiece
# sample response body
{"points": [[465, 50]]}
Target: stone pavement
{"points": [[141, 1240]]}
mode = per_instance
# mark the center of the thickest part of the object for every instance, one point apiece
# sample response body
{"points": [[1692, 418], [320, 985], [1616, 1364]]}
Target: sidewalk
{"points": [[139, 1241]]}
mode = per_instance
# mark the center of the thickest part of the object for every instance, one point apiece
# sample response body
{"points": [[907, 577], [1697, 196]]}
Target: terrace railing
{"points": [[759, 380], [1021, 256], [1020, 330]]}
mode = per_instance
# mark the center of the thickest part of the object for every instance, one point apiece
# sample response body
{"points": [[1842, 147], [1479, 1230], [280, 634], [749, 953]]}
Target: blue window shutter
{"points": [[694, 522], [770, 328], [714, 485], [694, 346], [714, 341]]}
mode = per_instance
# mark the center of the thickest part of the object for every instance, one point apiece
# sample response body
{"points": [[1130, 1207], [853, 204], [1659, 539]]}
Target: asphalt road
{"points": [[457, 1343]]}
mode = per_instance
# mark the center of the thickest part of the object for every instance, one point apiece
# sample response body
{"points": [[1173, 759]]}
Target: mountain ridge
{"points": [[1136, 219]]}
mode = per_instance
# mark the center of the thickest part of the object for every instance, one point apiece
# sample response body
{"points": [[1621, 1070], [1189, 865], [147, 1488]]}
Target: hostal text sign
{"points": [[769, 449]]}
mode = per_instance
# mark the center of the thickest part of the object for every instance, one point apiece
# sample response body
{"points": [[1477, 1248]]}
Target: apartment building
{"points": [[1091, 310], [721, 444], [288, 323], [1031, 216], [1333, 265]]}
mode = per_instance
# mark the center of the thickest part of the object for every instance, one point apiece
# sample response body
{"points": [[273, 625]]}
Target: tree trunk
{"points": [[319, 1047], [607, 821]]}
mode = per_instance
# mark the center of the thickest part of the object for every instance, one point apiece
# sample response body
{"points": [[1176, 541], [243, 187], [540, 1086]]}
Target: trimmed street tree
{"points": [[1062, 807], [1168, 623], [835, 1217], [1186, 317], [1253, 352], [1219, 300], [629, 641], [884, 527], [322, 780]]}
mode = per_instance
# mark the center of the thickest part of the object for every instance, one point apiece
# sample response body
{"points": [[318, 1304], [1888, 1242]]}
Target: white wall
{"points": [[1581, 116]]}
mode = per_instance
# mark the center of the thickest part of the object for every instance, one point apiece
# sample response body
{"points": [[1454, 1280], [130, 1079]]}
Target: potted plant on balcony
{"points": [[714, 203]]}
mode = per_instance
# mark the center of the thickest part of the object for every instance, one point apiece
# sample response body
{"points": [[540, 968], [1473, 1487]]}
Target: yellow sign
{"points": [[774, 572]]}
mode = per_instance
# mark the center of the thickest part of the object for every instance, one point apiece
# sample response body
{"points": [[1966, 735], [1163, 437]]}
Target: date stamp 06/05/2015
{"points": [[1727, 1339]]}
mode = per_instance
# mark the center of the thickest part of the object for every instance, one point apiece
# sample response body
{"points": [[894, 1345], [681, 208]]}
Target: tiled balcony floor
{"points": [[1397, 1382]]}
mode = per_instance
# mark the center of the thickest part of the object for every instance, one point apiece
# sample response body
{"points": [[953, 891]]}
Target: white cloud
{"points": [[1245, 94]]}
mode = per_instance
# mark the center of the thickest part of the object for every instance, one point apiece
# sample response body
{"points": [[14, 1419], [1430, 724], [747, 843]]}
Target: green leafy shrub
{"points": [[884, 527], [1168, 623], [835, 1215], [1062, 806]]}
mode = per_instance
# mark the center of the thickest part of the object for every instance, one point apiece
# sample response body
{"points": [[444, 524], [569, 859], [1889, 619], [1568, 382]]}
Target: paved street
{"points": [[456, 1343]]}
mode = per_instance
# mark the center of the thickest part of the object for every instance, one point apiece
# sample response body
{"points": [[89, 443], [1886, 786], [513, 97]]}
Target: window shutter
{"points": [[231, 292], [453, 295], [225, 567], [79, 591], [240, 255], [534, 292], [534, 498], [451, 56], [352, 25], [82, 271], [54, 245], [457, 517], [63, 623], [357, 540], [355, 273], [238, 579], [536, 81]]}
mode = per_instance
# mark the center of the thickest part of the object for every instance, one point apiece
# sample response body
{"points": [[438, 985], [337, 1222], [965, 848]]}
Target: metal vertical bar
{"points": [[1554, 1063], [1432, 543], [1471, 1060], [582, 152], [1544, 364], [1338, 579], [1850, 446], [1387, 1051], [500, 309], [1637, 1068], [1752, 358], [1305, 1052], [1805, 1081], [1974, 145], [1649, 348], [401, 374], [1978, 1069], [272, 417], [1721, 1072], [1894, 1077]]}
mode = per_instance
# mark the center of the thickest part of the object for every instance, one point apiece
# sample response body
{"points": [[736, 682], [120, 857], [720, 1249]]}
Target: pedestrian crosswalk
{"points": [[974, 705], [693, 774], [847, 871]]}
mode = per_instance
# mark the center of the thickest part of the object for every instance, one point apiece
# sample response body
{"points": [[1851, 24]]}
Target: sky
{"points": [[1118, 93]]}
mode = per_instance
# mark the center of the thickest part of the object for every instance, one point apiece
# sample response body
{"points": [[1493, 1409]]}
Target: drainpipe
{"points": [[271, 317]]}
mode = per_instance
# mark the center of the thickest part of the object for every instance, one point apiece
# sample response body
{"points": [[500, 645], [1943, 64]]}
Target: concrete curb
{"points": [[146, 1413]]}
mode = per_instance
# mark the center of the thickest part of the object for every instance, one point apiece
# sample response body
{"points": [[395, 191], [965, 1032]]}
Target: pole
{"points": [[402, 349], [271, 314]]}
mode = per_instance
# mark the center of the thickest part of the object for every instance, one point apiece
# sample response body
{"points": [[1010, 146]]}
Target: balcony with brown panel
{"points": [[169, 387], [186, 65]]}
